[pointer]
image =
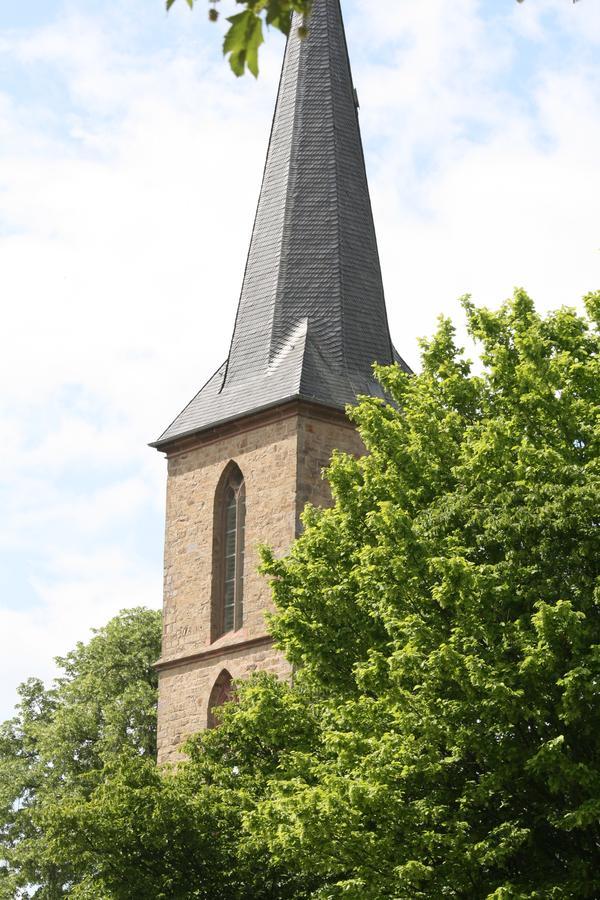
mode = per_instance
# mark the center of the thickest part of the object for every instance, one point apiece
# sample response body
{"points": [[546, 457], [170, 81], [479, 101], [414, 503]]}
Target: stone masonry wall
{"points": [[267, 460], [317, 439], [281, 462], [184, 692]]}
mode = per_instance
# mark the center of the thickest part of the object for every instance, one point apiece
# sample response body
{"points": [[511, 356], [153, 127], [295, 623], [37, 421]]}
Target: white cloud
{"points": [[129, 174], [122, 208], [487, 175], [81, 592]]}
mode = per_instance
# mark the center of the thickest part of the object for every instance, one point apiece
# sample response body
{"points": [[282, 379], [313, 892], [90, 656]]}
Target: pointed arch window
{"points": [[228, 559], [221, 693]]}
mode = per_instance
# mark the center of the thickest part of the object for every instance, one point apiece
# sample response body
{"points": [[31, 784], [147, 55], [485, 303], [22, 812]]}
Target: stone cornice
{"points": [[212, 653], [253, 421]]}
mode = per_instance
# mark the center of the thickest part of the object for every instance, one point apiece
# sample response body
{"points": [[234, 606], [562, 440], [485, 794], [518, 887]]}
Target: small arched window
{"points": [[221, 693], [228, 557]]}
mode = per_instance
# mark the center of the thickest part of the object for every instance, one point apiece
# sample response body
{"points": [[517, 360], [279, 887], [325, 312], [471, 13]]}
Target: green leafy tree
{"points": [[449, 605], [245, 33], [59, 743], [180, 832], [441, 735]]}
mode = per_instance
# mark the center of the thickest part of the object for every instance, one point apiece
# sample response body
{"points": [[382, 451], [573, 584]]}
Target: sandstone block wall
{"points": [[184, 692], [281, 461], [267, 460], [317, 439]]}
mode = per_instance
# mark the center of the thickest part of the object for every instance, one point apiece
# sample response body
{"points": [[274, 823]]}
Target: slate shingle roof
{"points": [[311, 318]]}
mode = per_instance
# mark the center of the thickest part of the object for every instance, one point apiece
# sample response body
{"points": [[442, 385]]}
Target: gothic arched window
{"points": [[228, 556], [222, 692]]}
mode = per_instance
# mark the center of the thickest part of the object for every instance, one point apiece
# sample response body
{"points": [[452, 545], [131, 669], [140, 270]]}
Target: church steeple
{"points": [[311, 318], [247, 454]]}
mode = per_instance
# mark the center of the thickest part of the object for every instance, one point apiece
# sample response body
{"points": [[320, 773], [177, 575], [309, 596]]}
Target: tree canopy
{"points": [[441, 734], [56, 749]]}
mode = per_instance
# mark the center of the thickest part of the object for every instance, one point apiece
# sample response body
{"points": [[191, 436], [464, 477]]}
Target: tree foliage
{"points": [[245, 33], [449, 605], [56, 749], [441, 735]]}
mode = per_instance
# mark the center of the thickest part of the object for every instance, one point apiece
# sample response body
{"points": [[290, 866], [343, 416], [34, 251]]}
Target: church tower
{"points": [[246, 454]]}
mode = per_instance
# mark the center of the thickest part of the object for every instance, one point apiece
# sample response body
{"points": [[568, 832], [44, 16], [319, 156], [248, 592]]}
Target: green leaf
{"points": [[279, 15], [242, 42]]}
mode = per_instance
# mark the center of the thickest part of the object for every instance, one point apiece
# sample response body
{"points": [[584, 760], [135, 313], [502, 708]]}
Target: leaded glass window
{"points": [[230, 555]]}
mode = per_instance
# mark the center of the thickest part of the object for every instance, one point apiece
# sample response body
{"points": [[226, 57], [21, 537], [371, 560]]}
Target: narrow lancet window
{"points": [[230, 509], [221, 693]]}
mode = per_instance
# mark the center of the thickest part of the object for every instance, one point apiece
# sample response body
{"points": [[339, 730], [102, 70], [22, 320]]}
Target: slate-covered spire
{"points": [[311, 318]]}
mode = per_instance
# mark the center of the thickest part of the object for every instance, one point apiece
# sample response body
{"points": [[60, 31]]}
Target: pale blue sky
{"points": [[130, 163]]}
